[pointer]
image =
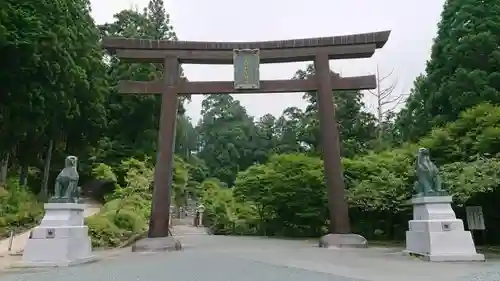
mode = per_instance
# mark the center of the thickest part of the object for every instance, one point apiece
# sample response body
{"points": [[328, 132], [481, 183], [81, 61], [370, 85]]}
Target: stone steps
{"points": [[184, 230]]}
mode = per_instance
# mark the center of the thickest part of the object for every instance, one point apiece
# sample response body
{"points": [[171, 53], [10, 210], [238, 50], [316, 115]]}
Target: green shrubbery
{"points": [[223, 213], [126, 212], [287, 196], [19, 208]]}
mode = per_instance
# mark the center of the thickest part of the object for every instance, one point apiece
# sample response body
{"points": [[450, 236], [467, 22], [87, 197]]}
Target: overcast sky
{"points": [[413, 24]]}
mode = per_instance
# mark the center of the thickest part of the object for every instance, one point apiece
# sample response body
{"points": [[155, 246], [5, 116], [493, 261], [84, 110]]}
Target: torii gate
{"points": [[246, 57]]}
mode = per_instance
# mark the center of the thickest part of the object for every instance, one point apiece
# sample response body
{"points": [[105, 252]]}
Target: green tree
{"points": [[133, 120], [290, 130], [253, 187], [225, 135], [159, 21], [467, 179], [289, 194], [55, 67], [223, 213], [198, 172], [475, 134], [179, 184], [265, 139], [464, 67], [357, 127], [412, 121], [185, 137]]}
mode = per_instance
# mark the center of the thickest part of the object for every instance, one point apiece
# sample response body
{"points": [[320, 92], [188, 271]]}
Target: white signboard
{"points": [[475, 218]]}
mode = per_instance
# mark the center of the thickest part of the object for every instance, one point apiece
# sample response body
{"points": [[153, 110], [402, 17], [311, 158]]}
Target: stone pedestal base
{"points": [[161, 244], [435, 234], [61, 239], [343, 241]]}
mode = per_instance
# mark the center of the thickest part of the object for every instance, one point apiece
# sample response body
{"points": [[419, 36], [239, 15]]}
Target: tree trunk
{"points": [[44, 192], [4, 169], [23, 176]]}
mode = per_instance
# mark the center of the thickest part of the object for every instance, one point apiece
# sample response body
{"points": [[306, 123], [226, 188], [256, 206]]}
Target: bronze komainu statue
{"points": [[428, 180], [66, 187]]}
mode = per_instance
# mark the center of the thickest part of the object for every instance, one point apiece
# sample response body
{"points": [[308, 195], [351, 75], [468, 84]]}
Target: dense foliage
{"points": [[255, 176], [463, 70], [127, 208], [287, 195], [18, 209], [125, 213]]}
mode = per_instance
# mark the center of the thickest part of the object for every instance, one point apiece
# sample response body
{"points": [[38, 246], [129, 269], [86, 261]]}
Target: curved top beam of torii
{"points": [[337, 47], [377, 38]]}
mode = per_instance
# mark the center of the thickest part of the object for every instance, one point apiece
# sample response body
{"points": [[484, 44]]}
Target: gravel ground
{"points": [[182, 266], [215, 258]]}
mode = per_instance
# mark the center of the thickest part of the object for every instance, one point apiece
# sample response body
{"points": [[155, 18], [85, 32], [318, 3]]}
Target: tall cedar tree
{"points": [[464, 69]]}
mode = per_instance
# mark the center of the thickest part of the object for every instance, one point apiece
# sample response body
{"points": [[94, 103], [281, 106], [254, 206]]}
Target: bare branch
{"points": [[387, 76], [371, 92], [401, 99], [387, 92], [383, 94], [398, 102], [393, 100], [386, 97]]}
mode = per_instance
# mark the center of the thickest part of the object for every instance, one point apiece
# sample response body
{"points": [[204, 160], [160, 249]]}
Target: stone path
{"points": [[20, 239], [219, 258]]}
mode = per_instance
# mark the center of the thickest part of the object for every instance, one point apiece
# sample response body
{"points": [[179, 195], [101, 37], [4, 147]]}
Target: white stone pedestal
{"points": [[435, 234], [61, 239]]}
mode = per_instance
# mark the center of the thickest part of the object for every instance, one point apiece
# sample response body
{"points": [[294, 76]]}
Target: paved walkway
{"points": [[218, 258], [20, 239]]}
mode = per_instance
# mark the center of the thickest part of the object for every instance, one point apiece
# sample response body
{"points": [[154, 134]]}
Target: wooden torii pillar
{"points": [[319, 50]]}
